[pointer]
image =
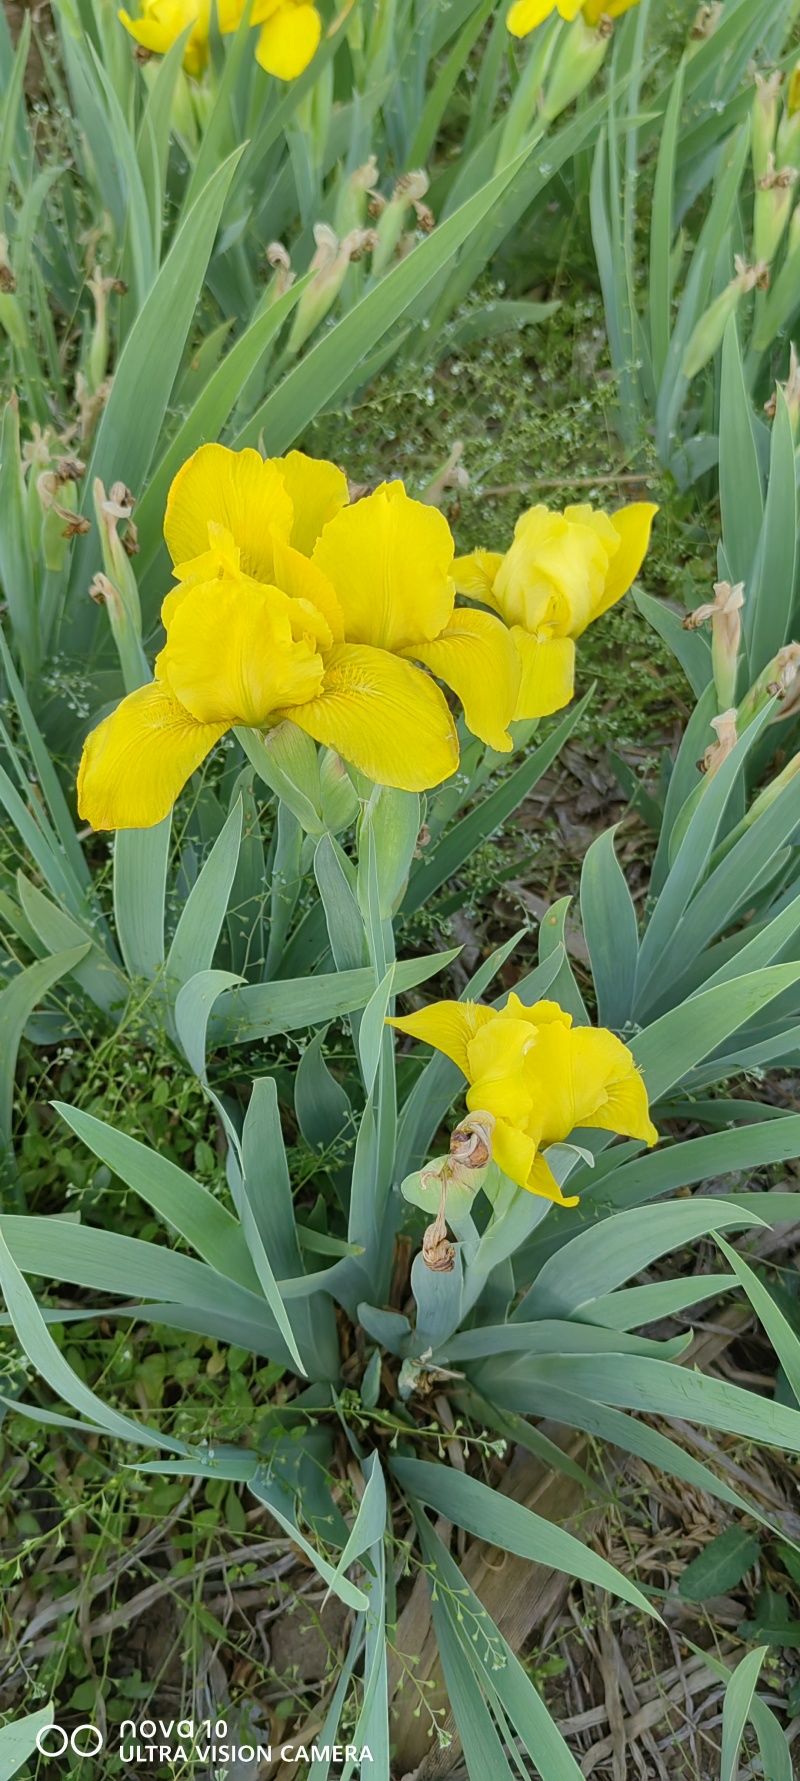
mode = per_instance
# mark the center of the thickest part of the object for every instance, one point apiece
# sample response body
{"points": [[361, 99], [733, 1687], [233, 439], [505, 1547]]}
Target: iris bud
{"points": [[579, 57]]}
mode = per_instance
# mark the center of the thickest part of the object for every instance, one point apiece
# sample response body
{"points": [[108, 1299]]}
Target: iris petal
{"points": [[475, 575], [301, 578], [513, 1151], [633, 525], [389, 559], [525, 15], [384, 716], [317, 490], [448, 1026], [289, 40], [475, 655], [230, 655], [548, 673], [236, 490], [136, 761]]}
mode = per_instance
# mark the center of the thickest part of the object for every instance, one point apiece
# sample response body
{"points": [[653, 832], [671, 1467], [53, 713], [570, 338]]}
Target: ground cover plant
{"points": [[317, 1228]]}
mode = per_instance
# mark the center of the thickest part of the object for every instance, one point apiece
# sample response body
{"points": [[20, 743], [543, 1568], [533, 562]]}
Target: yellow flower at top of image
{"points": [[525, 15], [539, 1077], [562, 572], [288, 39], [161, 22], [291, 604]]}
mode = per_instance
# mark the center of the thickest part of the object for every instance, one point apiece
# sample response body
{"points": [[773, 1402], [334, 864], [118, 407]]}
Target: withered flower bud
{"points": [[77, 524], [69, 469], [705, 22], [727, 738], [8, 282], [470, 1156], [438, 1253]]}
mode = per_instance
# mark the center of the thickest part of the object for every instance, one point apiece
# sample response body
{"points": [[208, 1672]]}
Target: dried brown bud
{"points": [[776, 178], [717, 752], [69, 469], [121, 501], [76, 524], [411, 186], [705, 22], [438, 1253], [8, 282], [365, 241], [471, 1143], [101, 590], [277, 256], [130, 540]]}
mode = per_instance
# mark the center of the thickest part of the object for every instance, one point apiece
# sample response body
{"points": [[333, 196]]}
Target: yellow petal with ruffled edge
{"points": [[475, 575], [594, 10], [384, 716], [475, 655], [582, 514], [525, 15], [137, 760], [632, 525], [447, 1026], [162, 23], [233, 489], [554, 573], [303, 580], [542, 1181], [609, 1091], [230, 656], [585, 1076], [550, 1081], [496, 1058], [289, 40], [317, 490], [229, 13], [544, 1014], [513, 1151], [547, 681], [389, 559]]}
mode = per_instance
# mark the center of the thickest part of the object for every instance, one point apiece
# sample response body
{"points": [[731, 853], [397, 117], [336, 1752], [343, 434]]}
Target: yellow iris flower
{"points": [[289, 36], [162, 21], [525, 15], [292, 605], [562, 572], [539, 1077]]}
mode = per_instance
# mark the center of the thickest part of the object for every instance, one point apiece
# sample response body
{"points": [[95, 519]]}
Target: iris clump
{"points": [[295, 605], [292, 605]]}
